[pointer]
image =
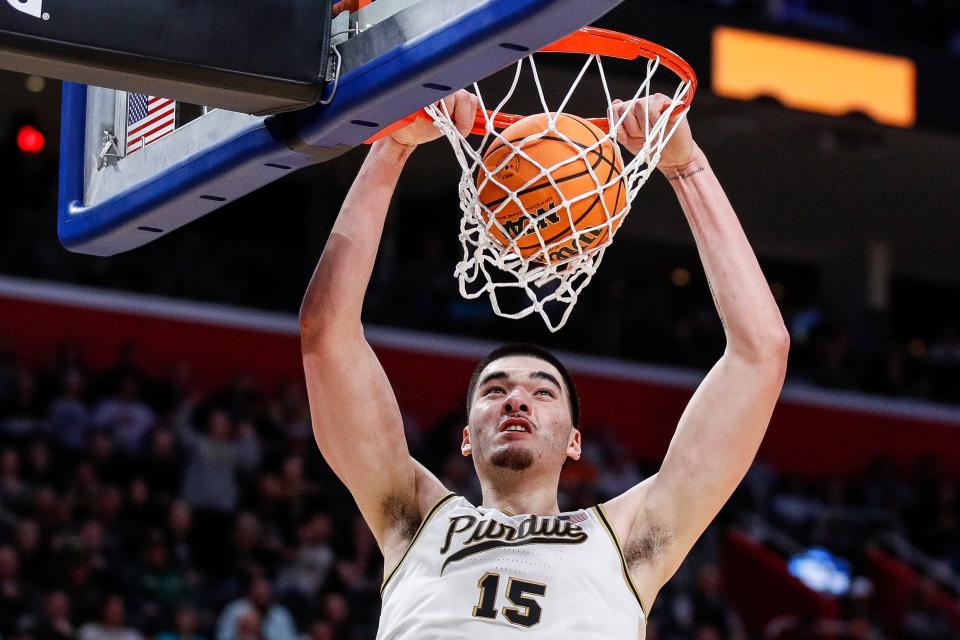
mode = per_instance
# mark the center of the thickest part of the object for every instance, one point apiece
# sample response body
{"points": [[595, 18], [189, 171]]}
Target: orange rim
{"points": [[589, 41]]}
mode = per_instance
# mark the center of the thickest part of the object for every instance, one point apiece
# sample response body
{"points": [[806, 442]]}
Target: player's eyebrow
{"points": [[494, 375], [534, 375], [543, 375]]}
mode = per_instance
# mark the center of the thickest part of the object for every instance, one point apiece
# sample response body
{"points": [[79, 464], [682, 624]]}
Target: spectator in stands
{"points": [[251, 548], [56, 623], [39, 466], [240, 398], [303, 575], [69, 418], [179, 532], [14, 599], [13, 488], [320, 630], [299, 492], [711, 611], [110, 464], [359, 569], [112, 625], [31, 548], [336, 610], [276, 623], [162, 465], [20, 415], [90, 537], [159, 581], [24, 629], [126, 367], [250, 626], [185, 623], [215, 459], [210, 483], [83, 584], [126, 416], [618, 473], [140, 510]]}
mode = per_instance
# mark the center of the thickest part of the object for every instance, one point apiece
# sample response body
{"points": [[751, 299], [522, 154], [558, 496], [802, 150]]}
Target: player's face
{"points": [[520, 416]]}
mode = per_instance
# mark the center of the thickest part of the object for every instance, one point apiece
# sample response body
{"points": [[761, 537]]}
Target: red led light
{"points": [[30, 140]]}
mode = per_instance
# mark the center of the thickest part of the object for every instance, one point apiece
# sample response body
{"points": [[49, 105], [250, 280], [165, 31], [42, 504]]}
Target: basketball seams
{"points": [[597, 197], [546, 182], [596, 148], [575, 208], [606, 232], [585, 124]]}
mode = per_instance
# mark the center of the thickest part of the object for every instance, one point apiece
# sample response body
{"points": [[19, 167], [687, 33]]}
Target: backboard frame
{"points": [[395, 67]]}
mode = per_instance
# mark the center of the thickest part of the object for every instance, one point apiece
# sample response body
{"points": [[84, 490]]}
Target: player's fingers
{"points": [[617, 109], [449, 102], [659, 103], [465, 111], [632, 124]]}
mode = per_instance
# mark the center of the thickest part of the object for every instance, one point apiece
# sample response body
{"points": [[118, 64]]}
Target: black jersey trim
{"points": [[433, 510], [602, 516]]}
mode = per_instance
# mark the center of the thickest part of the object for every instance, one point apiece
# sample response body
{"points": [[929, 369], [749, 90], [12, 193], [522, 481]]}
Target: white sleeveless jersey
{"points": [[472, 573]]}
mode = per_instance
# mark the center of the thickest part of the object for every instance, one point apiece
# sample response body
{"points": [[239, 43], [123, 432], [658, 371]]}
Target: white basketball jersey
{"points": [[472, 573]]}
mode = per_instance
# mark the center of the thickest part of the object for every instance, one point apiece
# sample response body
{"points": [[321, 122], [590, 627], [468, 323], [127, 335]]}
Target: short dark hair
{"points": [[523, 349]]}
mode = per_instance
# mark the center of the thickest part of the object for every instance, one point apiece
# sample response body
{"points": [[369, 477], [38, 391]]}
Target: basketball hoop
{"points": [[520, 282]]}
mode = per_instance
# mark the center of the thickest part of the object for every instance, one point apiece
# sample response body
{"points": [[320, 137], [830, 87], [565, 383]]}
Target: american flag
{"points": [[149, 118]]}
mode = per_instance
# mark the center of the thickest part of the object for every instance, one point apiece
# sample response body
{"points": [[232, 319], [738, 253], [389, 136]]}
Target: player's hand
{"points": [[681, 148], [462, 107]]}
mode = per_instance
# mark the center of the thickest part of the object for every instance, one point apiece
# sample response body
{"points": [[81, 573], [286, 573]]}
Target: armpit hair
{"points": [[401, 516], [646, 545]]}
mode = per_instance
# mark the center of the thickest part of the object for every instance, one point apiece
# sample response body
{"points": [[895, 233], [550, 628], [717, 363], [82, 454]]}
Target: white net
{"points": [[536, 245]]}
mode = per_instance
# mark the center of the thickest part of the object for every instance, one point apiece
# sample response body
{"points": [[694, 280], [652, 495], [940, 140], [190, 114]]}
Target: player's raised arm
{"points": [[356, 420], [721, 429]]}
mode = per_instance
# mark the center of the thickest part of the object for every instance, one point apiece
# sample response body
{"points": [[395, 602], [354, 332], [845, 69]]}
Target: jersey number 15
{"points": [[520, 592]]}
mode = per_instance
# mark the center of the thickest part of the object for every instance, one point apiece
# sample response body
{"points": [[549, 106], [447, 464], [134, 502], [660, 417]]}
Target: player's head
{"points": [[522, 409]]}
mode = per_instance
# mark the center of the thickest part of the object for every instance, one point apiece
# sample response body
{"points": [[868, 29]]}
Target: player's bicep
{"points": [[716, 441], [359, 430], [714, 444]]}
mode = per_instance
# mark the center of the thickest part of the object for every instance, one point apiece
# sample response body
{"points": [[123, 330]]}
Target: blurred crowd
{"points": [[133, 507]]}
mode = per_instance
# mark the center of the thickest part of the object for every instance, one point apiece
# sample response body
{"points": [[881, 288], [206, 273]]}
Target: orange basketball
{"points": [[543, 201]]}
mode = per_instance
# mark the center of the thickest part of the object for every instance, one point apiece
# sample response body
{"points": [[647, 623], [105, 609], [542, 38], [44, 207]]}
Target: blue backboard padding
{"points": [[72, 130], [381, 91]]}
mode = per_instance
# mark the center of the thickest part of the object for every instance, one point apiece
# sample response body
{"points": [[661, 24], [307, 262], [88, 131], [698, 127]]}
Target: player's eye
{"points": [[546, 392], [495, 389]]}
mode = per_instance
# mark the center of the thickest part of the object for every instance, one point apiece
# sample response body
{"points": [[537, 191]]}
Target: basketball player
{"points": [[515, 566]]}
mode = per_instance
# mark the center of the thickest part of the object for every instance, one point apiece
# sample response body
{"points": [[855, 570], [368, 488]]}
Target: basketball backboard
{"points": [[394, 57]]}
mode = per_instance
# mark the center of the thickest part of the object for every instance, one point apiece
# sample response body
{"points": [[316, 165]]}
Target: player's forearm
{"points": [[751, 319], [334, 297]]}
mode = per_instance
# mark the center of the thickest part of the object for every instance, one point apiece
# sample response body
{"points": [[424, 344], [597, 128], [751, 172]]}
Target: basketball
{"points": [[552, 208]]}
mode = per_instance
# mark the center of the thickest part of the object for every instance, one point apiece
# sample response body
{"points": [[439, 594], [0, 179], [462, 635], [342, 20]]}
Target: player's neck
{"points": [[521, 496]]}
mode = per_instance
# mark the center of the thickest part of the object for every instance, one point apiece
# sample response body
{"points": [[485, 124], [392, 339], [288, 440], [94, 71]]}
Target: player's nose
{"points": [[516, 401]]}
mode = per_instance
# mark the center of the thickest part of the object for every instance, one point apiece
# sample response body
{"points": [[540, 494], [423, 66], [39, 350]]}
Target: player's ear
{"points": [[573, 447], [465, 448]]}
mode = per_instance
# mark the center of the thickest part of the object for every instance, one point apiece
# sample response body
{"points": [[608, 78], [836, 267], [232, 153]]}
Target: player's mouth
{"points": [[515, 425]]}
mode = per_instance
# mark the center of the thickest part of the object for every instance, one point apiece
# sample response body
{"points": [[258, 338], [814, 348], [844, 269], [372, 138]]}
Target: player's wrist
{"points": [[394, 148], [695, 164]]}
